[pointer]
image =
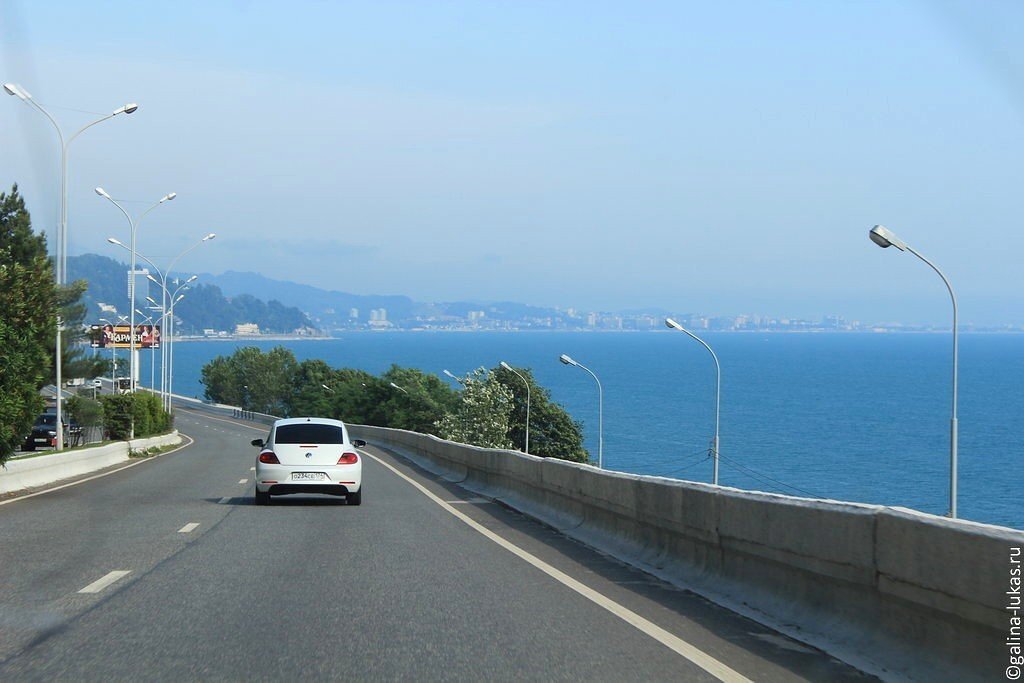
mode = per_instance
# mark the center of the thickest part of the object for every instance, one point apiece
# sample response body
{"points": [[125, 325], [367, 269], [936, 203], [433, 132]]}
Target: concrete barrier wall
{"points": [[898, 593], [40, 470]]}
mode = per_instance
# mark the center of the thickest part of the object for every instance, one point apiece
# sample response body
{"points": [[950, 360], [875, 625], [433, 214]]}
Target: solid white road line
{"points": [[188, 527], [672, 642], [100, 584]]}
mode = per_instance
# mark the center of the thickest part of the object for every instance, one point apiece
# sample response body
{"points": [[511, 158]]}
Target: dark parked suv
{"points": [[44, 433]]}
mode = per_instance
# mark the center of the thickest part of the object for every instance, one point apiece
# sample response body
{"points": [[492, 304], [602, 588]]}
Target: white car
{"points": [[309, 455]]}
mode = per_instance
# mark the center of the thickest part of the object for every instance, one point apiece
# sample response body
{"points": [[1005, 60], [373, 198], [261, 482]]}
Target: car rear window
{"points": [[309, 433]]}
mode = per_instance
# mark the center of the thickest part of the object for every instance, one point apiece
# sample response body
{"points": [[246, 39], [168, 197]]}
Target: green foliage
{"points": [[424, 403], [489, 411], [27, 321], [143, 409], [84, 411], [253, 380], [117, 416], [76, 357], [483, 415], [553, 432], [150, 416]]}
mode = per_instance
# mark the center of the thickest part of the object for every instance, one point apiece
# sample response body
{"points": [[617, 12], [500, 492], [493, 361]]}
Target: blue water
{"points": [[858, 417]]}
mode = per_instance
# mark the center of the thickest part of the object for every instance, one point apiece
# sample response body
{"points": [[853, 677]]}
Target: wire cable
{"points": [[753, 473]]}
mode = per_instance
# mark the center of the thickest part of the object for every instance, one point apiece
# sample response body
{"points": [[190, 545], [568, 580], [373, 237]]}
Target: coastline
{"points": [[420, 330]]}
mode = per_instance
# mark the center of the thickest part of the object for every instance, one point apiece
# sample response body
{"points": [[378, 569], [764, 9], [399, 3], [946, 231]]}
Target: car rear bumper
{"points": [[281, 479], [327, 489]]}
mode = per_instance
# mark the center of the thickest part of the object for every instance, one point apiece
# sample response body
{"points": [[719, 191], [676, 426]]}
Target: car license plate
{"points": [[308, 476]]}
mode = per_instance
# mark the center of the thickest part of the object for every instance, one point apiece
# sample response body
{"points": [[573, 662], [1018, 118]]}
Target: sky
{"points": [[722, 158]]}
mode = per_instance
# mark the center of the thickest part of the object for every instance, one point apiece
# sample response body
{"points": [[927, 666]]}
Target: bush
{"points": [[84, 412], [143, 410]]}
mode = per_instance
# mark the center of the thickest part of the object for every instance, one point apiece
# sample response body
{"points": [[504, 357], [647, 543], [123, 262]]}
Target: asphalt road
{"points": [[422, 582]]}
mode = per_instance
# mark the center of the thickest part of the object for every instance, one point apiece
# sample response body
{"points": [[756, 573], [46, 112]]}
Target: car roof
{"points": [[308, 420]]}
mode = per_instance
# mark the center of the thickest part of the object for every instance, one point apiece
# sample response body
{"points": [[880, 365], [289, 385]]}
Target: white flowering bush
{"points": [[484, 414]]}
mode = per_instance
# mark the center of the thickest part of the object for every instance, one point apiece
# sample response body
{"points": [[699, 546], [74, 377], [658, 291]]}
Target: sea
{"points": [[846, 416]]}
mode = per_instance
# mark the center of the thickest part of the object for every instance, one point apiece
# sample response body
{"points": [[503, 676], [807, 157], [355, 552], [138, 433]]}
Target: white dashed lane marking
{"points": [[242, 481], [188, 527], [225, 499], [100, 584]]}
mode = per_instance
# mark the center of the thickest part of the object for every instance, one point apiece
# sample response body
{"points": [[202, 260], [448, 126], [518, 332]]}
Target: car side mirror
{"points": [[257, 442], [358, 443]]}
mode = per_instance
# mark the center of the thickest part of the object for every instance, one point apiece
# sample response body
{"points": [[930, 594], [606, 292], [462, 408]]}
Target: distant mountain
{"points": [[205, 306], [332, 310], [329, 309]]}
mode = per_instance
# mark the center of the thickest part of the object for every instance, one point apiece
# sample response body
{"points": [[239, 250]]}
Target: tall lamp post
{"points": [[885, 238], [669, 322], [162, 282], [133, 224], [60, 249], [600, 408], [174, 298], [526, 447]]}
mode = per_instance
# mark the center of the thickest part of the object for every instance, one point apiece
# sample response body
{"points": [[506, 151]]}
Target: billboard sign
{"points": [[119, 337]]}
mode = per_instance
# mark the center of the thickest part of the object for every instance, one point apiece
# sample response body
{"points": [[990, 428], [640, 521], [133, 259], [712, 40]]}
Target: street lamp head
{"points": [[669, 322], [568, 361], [506, 366], [192, 279], [169, 197], [327, 388], [126, 109], [210, 236], [101, 192], [114, 240], [451, 375], [12, 89], [884, 238], [150, 299], [180, 297]]}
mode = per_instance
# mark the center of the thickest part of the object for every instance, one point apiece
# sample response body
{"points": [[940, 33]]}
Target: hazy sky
{"points": [[709, 157]]}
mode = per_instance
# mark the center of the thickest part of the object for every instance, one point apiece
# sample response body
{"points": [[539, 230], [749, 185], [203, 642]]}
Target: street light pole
{"points": [[165, 347], [600, 408], [526, 447], [174, 298], [133, 224], [885, 238], [60, 248], [669, 322]]}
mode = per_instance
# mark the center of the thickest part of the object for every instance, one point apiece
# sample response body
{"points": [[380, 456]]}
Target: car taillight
{"points": [[268, 458], [348, 458]]}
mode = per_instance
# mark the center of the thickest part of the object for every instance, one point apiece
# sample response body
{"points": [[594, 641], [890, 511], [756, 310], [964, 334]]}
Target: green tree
{"points": [[28, 301], [253, 380], [425, 401], [484, 414], [309, 397], [553, 432], [76, 358]]}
